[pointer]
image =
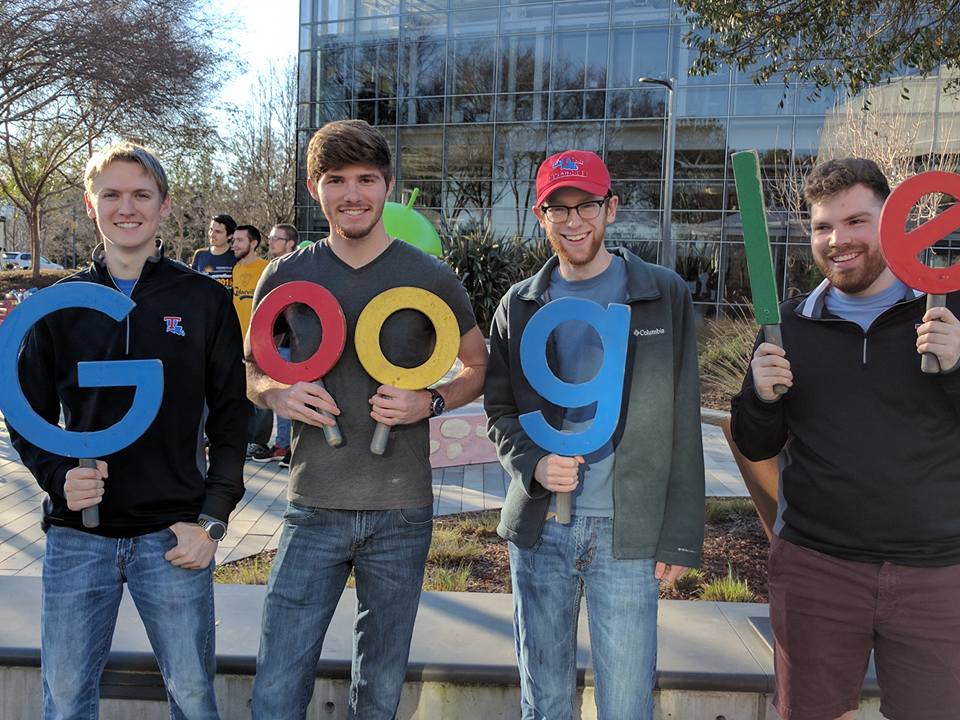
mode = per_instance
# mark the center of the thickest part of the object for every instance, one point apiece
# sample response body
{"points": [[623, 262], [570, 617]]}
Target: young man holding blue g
{"points": [[160, 514], [637, 506]]}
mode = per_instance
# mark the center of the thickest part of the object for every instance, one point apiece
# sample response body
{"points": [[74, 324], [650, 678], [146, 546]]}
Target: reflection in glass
{"points": [[702, 101], [639, 103], [638, 194], [634, 226], [422, 64], [471, 108], [519, 150], [736, 279], [526, 18], [763, 100], [472, 63], [635, 148], [335, 73], [583, 136], [702, 226], [701, 148], [583, 15], [803, 275], [638, 52], [524, 64], [698, 263], [769, 136], [698, 195], [474, 22], [631, 12], [580, 60], [512, 200], [522, 107], [470, 152], [420, 111], [421, 153]]}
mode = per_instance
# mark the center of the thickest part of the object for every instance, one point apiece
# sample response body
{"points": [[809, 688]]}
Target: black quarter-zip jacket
{"points": [[160, 479], [870, 469]]}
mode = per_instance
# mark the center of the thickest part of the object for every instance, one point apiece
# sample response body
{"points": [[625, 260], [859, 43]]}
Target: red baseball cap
{"points": [[580, 169]]}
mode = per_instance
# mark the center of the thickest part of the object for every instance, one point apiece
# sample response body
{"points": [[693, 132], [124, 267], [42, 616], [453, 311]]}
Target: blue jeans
{"points": [[387, 550], [83, 577], [570, 561], [283, 425]]}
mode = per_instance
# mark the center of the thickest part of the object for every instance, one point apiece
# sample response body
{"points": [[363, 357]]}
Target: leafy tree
{"points": [[852, 44]]}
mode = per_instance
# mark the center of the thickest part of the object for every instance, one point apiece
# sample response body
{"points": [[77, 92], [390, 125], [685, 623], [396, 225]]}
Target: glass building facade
{"points": [[473, 94]]}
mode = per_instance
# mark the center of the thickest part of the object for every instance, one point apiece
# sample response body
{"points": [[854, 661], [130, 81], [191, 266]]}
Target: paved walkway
{"points": [[255, 524]]}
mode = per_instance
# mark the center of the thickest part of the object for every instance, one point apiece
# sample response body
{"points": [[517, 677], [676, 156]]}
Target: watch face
{"points": [[215, 530], [438, 405]]}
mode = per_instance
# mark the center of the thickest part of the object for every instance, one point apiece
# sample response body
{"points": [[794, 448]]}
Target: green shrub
{"points": [[717, 510], [447, 579], [729, 588], [449, 546], [689, 581]]}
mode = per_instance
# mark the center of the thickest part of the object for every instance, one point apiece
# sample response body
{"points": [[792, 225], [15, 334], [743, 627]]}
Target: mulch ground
{"points": [[734, 544]]}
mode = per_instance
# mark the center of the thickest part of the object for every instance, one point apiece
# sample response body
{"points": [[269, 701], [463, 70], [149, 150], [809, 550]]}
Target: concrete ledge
{"points": [[463, 643], [709, 416]]}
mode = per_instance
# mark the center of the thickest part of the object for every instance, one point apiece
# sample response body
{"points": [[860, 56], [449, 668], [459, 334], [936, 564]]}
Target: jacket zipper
{"points": [[127, 318]]}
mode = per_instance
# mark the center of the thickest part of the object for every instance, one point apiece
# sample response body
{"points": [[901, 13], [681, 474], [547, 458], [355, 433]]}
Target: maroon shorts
{"points": [[828, 614]]}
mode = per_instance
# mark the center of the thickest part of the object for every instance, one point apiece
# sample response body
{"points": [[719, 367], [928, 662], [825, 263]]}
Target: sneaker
{"points": [[267, 454], [254, 449], [285, 460]]}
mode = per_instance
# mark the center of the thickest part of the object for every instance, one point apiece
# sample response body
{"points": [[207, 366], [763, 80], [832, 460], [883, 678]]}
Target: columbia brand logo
{"points": [[644, 332], [172, 325]]}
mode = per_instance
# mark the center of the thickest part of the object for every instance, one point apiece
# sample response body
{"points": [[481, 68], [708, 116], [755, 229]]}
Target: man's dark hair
{"points": [[251, 231], [228, 222], [290, 231], [833, 176], [347, 142]]}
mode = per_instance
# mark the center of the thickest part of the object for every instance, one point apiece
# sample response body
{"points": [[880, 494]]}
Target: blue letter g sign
{"points": [[146, 376]]}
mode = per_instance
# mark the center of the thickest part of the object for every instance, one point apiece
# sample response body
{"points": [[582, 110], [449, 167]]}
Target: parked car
{"points": [[24, 260]]}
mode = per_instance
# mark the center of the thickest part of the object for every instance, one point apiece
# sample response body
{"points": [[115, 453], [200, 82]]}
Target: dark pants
{"points": [[828, 614]]}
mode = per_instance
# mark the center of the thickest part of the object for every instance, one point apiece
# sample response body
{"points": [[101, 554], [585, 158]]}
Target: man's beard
{"points": [[238, 256], [557, 244], [358, 234], [853, 282]]}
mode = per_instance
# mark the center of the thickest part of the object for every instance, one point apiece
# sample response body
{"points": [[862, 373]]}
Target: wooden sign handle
{"points": [[91, 515]]}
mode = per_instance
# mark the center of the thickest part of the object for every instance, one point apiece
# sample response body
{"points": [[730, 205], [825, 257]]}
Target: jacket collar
{"points": [[102, 275], [641, 282], [815, 303]]}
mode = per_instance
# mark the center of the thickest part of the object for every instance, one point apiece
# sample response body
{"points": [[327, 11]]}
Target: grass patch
{"points": [[718, 510], [448, 579], [253, 570], [690, 581], [726, 348], [450, 546], [729, 588]]}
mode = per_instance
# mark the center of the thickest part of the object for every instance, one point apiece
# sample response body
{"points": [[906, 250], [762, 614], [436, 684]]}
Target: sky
{"points": [[268, 30]]}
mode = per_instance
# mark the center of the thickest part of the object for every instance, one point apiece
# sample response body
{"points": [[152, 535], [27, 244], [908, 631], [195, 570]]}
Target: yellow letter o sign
{"points": [[367, 338]]}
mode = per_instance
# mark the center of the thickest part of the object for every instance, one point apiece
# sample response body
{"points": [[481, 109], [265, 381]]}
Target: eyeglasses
{"points": [[589, 210], [271, 238]]}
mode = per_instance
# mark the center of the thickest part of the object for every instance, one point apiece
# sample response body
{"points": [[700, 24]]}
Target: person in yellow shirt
{"points": [[246, 273]]}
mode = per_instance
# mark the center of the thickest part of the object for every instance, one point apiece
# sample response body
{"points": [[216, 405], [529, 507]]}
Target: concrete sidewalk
{"points": [[255, 524]]}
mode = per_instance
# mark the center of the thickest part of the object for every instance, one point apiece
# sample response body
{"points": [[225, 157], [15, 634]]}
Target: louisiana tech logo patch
{"points": [[172, 325]]}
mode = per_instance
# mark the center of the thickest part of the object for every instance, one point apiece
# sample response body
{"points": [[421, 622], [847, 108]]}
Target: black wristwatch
{"points": [[437, 403], [215, 529]]}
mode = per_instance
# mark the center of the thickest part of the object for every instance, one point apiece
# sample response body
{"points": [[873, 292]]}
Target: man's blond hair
{"points": [[125, 151]]}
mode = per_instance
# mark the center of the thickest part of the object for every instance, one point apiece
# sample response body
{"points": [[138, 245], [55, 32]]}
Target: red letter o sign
{"points": [[900, 248]]}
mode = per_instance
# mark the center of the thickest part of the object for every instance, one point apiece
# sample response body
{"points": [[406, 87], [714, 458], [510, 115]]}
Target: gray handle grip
{"points": [[331, 432], [772, 335], [929, 362], [91, 515], [378, 446], [563, 507]]}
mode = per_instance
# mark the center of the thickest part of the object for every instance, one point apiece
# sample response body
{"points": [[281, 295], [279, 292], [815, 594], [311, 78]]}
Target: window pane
{"points": [[422, 64], [633, 226], [638, 194], [583, 15], [470, 153], [639, 103], [641, 12], [803, 275], [474, 22], [525, 63], [420, 25], [635, 148], [334, 10], [763, 100], [580, 61], [701, 101], [700, 148], [770, 136], [582, 136], [421, 153], [472, 65], [373, 8], [638, 53], [526, 18], [419, 111], [471, 108], [698, 263], [522, 107], [520, 150], [698, 195], [335, 73]]}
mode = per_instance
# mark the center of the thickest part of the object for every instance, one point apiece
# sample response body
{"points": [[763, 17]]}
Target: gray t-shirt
{"points": [[579, 355], [351, 477]]}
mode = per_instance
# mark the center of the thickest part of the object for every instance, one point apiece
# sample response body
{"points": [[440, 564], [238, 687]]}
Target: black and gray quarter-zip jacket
{"points": [[870, 469], [185, 319]]}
